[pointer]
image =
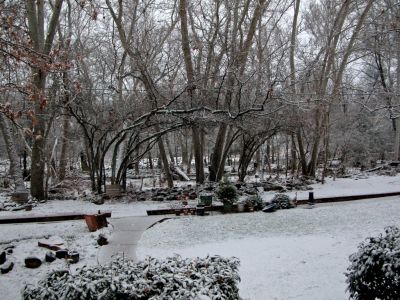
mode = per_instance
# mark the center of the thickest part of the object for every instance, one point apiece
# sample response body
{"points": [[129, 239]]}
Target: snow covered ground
{"points": [[118, 208], [372, 184], [25, 239], [339, 187], [291, 254]]}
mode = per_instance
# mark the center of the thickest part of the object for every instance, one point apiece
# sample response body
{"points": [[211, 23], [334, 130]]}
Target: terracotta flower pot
{"points": [[95, 222], [91, 222]]}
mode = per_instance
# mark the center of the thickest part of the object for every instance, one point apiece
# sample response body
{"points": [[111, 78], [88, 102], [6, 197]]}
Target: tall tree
{"points": [[15, 170], [197, 145], [42, 43]]}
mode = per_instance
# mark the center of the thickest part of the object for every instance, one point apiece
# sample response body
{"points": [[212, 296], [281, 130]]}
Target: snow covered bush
{"points": [[256, 202], [227, 192], [282, 201], [374, 272], [172, 278]]}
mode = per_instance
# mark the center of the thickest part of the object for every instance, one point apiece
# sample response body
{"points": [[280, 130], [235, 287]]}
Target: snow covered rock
{"points": [[102, 240], [61, 253], [53, 243], [2, 257], [7, 267], [73, 257], [50, 257]]}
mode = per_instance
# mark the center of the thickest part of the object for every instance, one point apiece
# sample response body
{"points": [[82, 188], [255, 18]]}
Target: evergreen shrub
{"points": [[374, 272]]}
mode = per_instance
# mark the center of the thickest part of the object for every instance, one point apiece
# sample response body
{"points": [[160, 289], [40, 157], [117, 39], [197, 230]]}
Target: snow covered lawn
{"points": [[373, 184], [291, 254], [118, 208]]}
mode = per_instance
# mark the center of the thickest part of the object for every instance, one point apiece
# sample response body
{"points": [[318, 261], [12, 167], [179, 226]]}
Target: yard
{"points": [[291, 254]]}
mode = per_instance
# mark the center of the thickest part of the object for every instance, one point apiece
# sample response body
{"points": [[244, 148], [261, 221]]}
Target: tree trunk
{"points": [[293, 155], [15, 171], [64, 147], [150, 160], [397, 137], [114, 158], [189, 166], [187, 55], [215, 159], [136, 165], [198, 154], [171, 154], [227, 145], [165, 163], [184, 149], [25, 173], [250, 146], [39, 143], [42, 44], [303, 159]]}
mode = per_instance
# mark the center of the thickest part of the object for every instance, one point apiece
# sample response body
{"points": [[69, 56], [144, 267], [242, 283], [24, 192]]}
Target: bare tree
{"points": [[41, 43]]}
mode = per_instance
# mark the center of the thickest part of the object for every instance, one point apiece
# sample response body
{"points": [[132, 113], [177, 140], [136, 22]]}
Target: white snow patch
{"points": [[118, 209], [373, 184]]}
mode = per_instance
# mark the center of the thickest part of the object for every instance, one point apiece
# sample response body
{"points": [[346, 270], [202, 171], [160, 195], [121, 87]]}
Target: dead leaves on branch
{"points": [[15, 115]]}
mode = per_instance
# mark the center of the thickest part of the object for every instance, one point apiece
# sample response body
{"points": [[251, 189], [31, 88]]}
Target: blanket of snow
{"points": [[293, 254], [118, 208], [290, 254], [362, 185]]}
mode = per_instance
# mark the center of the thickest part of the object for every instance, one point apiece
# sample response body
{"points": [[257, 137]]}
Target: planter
{"points": [[240, 207], [206, 200], [200, 210], [101, 220], [91, 222], [73, 257], [228, 207], [95, 222]]}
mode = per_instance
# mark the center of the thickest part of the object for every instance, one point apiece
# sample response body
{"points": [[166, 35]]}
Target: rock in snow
{"points": [[32, 262], [7, 267], [50, 257], [2, 257]]}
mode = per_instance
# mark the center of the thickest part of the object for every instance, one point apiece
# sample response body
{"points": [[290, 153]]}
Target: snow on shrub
{"points": [[172, 278], [374, 272], [256, 202], [227, 192], [282, 201]]}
